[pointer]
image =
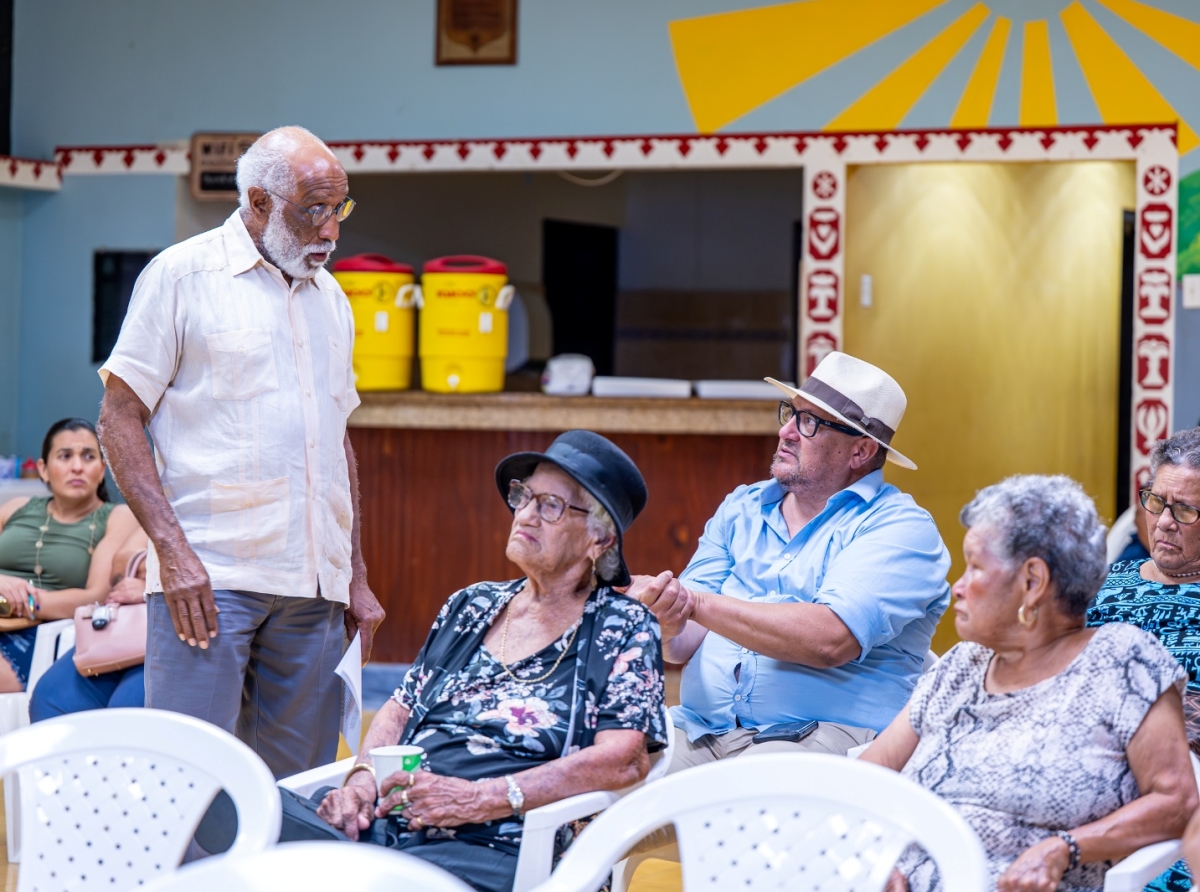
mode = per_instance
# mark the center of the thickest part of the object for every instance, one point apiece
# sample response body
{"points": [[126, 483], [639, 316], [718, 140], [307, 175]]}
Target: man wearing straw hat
{"points": [[813, 595]]}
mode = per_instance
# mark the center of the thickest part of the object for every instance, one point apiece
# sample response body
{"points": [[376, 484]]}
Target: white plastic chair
{"points": [[111, 798], [312, 867], [794, 822], [1133, 873], [541, 824], [53, 640]]}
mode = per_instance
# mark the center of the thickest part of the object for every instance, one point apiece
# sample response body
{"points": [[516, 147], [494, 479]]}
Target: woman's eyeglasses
{"points": [[1156, 504], [550, 507], [320, 213], [808, 423]]}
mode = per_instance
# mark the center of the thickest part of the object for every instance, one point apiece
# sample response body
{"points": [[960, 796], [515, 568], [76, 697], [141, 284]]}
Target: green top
{"points": [[65, 557]]}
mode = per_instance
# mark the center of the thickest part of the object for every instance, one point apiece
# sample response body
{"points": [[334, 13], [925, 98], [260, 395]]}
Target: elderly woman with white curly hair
{"points": [[1063, 746]]}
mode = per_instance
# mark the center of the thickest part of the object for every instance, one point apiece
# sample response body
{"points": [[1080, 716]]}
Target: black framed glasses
{"points": [[1156, 504], [807, 423], [319, 214], [550, 507]]}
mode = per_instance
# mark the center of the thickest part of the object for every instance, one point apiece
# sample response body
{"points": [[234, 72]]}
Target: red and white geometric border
{"points": [[27, 173], [824, 157]]}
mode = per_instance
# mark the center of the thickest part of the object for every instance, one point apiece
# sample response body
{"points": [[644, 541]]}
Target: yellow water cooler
{"points": [[463, 328], [381, 294]]}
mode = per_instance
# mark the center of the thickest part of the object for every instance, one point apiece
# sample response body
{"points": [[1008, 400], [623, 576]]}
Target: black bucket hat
{"points": [[596, 464]]}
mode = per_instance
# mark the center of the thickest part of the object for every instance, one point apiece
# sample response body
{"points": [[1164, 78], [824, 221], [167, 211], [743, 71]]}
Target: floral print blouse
{"points": [[481, 722]]}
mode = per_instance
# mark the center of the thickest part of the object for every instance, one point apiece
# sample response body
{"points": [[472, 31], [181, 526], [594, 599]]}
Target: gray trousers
{"points": [[828, 738], [267, 677]]}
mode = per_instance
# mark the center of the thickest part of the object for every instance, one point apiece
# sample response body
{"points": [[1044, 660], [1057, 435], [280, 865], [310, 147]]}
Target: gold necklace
{"points": [[37, 548], [504, 648]]}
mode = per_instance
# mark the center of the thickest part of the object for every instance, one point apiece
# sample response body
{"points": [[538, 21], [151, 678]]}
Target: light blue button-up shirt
{"points": [[872, 556]]}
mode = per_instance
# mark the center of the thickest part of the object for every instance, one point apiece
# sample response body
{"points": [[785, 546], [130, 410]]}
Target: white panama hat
{"points": [[858, 394]]}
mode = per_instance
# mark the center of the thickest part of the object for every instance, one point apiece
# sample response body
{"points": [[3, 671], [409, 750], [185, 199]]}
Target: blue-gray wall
{"points": [[61, 230], [144, 71], [10, 316]]}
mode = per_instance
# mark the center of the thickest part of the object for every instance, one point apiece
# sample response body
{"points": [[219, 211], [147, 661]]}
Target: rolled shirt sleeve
{"points": [[146, 354], [890, 574]]}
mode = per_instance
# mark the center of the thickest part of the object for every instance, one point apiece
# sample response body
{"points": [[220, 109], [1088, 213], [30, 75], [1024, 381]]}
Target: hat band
{"points": [[853, 412]]}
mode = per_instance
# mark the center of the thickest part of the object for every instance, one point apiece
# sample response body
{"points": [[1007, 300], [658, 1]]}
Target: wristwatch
{"points": [[515, 797]]}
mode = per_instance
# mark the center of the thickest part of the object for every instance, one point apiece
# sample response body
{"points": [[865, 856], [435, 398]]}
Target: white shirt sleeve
{"points": [[146, 355]]}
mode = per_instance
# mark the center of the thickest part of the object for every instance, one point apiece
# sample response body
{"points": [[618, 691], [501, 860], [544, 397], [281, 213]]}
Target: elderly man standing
{"points": [[813, 595], [235, 354]]}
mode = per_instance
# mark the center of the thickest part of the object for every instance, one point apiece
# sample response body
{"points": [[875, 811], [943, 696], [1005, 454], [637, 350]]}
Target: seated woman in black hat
{"points": [[526, 692]]}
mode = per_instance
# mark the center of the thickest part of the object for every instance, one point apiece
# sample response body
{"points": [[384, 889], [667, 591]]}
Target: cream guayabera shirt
{"points": [[249, 384]]}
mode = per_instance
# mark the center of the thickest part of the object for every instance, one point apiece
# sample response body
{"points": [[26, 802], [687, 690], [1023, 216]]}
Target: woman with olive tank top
{"points": [[56, 552]]}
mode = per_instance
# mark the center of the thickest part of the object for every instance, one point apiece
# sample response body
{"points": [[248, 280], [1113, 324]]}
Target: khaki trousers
{"points": [[828, 738]]}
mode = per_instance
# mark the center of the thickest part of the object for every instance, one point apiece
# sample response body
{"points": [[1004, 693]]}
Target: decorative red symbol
{"points": [[1154, 234], [463, 151], [818, 345], [1153, 361], [822, 295], [499, 151], [825, 185], [1156, 180], [1154, 295], [1141, 478], [358, 152], [393, 153], [824, 233], [1150, 424], [428, 152]]}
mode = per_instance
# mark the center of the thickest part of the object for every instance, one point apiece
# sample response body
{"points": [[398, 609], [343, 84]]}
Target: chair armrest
{"points": [[308, 782], [1134, 872], [541, 825]]}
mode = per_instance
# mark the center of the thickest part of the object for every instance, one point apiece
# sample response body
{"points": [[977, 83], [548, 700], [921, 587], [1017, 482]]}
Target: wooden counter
{"points": [[433, 520], [538, 412]]}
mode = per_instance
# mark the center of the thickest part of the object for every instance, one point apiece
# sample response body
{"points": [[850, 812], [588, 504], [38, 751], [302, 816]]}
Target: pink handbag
{"points": [[109, 637]]}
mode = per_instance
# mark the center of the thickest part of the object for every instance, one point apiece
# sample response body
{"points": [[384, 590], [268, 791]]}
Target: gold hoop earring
{"points": [[1027, 623]]}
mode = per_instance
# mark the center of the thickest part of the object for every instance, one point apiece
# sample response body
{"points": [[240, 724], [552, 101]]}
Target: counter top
{"points": [[539, 412]]}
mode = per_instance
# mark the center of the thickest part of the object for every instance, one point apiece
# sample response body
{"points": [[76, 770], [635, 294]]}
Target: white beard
{"points": [[287, 252]]}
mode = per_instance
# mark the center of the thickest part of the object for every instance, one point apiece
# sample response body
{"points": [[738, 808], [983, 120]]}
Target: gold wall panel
{"points": [[996, 305]]}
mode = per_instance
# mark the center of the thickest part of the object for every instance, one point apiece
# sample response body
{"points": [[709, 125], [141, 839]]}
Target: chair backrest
{"points": [[111, 798], [660, 762], [792, 822], [312, 867], [48, 646]]}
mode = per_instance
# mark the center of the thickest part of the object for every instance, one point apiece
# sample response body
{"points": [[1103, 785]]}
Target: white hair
{"points": [[267, 163], [1182, 449], [600, 526], [1050, 517]]}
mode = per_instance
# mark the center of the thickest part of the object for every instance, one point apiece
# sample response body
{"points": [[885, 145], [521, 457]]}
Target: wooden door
{"points": [[995, 302]]}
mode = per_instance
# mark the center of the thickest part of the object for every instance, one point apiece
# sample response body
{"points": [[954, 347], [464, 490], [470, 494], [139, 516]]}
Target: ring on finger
{"points": [[415, 823], [404, 801], [412, 780]]}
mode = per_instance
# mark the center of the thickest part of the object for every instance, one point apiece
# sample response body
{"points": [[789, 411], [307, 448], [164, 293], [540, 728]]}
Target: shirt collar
{"points": [[239, 247]]}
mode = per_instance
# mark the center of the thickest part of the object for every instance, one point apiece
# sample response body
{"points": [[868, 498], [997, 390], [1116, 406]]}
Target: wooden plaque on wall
{"points": [[477, 32], [214, 156]]}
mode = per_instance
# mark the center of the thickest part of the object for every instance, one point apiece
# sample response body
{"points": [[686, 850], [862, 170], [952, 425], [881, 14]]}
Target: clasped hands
{"points": [[426, 800], [671, 603]]}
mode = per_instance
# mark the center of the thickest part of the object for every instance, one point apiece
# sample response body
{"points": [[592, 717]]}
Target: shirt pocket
{"points": [[249, 520], [243, 363], [339, 374]]}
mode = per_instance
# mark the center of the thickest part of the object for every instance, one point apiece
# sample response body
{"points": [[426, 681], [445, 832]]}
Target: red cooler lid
{"points": [[370, 263], [466, 263]]}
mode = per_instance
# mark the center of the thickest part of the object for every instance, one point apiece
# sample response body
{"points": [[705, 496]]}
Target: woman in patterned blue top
{"points": [[526, 692], [1162, 595]]}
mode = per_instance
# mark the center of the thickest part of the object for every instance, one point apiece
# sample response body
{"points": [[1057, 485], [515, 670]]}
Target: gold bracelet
{"points": [[358, 766]]}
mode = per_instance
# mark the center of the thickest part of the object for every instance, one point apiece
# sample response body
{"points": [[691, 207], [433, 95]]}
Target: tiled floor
{"points": [[652, 876]]}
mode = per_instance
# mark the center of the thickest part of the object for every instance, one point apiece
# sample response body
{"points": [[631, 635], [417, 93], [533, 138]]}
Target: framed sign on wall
{"points": [[477, 32], [213, 171]]}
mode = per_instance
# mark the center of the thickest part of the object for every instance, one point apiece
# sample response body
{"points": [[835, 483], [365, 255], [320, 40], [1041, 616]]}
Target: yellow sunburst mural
{"points": [[735, 62]]}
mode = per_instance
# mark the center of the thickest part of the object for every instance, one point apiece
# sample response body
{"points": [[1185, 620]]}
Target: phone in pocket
{"points": [[792, 732]]}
